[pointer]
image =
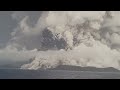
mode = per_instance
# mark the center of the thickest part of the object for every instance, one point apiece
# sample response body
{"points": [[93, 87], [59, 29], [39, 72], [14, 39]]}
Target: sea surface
{"points": [[56, 74]]}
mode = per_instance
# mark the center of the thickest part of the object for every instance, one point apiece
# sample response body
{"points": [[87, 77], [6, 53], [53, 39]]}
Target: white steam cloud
{"points": [[80, 38]]}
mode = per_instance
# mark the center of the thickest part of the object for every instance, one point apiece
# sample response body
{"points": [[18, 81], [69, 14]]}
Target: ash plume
{"points": [[78, 38]]}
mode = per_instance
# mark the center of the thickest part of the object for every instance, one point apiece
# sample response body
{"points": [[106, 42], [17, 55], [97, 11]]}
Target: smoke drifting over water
{"points": [[80, 38]]}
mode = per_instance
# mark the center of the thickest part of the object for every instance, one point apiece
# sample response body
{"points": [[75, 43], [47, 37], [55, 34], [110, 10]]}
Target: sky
{"points": [[9, 21], [7, 24]]}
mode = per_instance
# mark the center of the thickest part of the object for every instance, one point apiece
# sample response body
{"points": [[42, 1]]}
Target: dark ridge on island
{"points": [[78, 68]]}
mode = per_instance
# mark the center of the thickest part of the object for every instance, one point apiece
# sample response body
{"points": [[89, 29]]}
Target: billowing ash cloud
{"points": [[98, 55], [80, 38], [53, 28]]}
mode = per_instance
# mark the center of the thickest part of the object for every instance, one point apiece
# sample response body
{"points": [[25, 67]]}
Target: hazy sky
{"points": [[6, 26], [9, 21]]}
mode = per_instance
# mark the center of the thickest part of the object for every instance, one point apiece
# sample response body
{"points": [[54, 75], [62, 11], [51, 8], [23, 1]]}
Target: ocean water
{"points": [[56, 74]]}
